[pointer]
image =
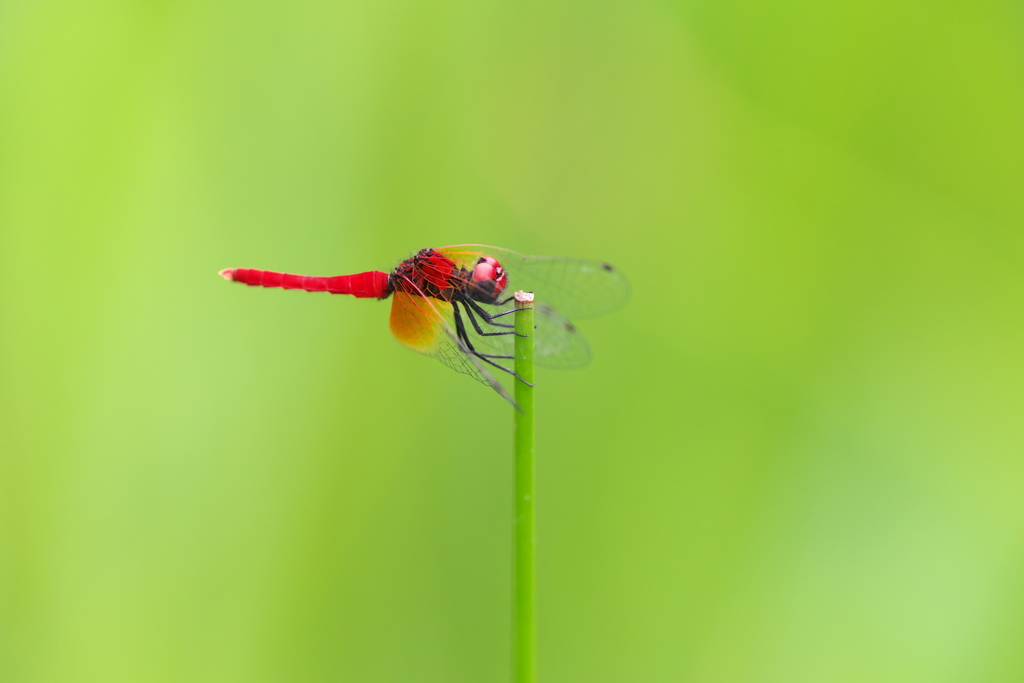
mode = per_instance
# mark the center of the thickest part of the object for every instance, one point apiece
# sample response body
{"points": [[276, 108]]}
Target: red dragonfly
{"points": [[447, 303]]}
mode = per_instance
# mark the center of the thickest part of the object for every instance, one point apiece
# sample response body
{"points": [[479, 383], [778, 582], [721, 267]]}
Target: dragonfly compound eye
{"points": [[489, 277]]}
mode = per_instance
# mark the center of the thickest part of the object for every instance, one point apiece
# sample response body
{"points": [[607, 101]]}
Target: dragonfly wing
{"points": [[576, 288], [424, 325], [565, 287], [558, 344]]}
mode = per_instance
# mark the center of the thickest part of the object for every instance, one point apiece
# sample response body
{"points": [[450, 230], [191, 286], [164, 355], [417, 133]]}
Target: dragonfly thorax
{"points": [[436, 276]]}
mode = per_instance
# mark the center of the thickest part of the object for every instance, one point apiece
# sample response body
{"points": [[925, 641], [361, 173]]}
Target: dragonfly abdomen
{"points": [[371, 284]]}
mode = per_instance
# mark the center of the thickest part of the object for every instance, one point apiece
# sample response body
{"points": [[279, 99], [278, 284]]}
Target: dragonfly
{"points": [[450, 303]]}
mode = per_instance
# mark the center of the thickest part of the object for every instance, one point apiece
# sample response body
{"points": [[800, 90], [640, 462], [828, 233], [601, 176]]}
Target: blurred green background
{"points": [[797, 455]]}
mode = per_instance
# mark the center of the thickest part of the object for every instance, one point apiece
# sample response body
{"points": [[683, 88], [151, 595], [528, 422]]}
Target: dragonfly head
{"points": [[488, 280]]}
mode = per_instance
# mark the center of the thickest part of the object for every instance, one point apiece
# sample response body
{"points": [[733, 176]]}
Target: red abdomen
{"points": [[371, 284]]}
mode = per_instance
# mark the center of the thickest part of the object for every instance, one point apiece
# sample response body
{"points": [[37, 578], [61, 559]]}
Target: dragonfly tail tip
{"points": [[227, 273]]}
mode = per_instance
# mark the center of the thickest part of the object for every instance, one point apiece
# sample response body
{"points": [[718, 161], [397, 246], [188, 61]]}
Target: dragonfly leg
{"points": [[474, 306], [465, 333], [460, 330], [487, 360], [470, 307], [498, 315]]}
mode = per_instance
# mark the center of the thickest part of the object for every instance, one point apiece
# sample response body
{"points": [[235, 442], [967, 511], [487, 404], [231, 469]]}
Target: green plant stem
{"points": [[524, 553]]}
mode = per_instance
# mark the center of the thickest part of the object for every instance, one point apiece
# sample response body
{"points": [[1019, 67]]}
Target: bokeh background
{"points": [[797, 455]]}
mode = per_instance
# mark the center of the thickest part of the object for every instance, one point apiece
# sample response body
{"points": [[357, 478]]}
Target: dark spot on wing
{"points": [[607, 266], [569, 327]]}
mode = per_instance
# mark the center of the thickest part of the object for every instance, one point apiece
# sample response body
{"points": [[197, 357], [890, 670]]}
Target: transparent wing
{"points": [[558, 344], [576, 288], [565, 288]]}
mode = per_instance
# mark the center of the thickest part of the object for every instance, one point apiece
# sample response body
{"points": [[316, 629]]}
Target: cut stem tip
{"points": [[524, 298]]}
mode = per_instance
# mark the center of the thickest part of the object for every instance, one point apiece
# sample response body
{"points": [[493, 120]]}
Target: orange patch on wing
{"points": [[417, 322]]}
